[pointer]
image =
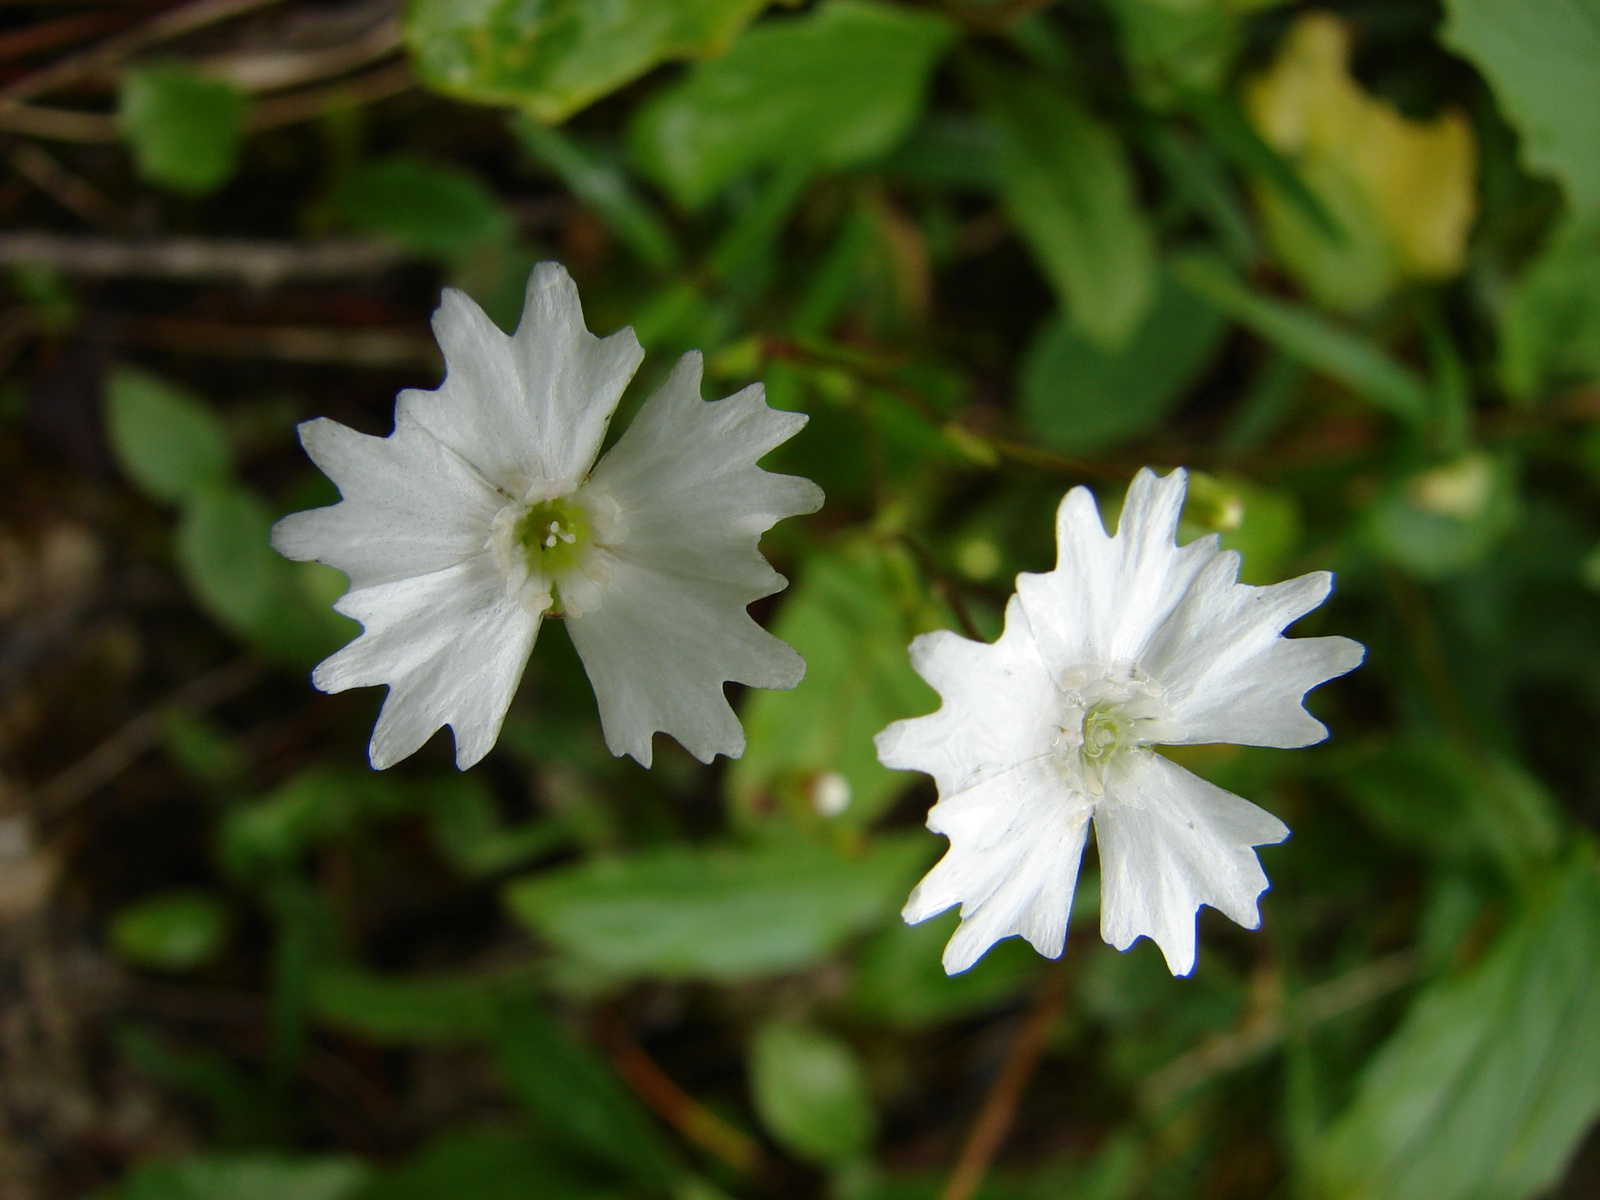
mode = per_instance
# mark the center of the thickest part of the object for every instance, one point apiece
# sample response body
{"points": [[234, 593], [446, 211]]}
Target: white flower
{"points": [[479, 516], [1131, 642]]}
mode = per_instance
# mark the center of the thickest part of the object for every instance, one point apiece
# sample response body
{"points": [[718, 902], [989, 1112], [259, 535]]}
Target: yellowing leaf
{"points": [[1402, 191]]}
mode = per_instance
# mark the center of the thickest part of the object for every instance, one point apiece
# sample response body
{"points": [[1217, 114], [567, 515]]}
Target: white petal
{"points": [[1170, 842], [998, 701], [451, 646], [534, 406], [1109, 595], [1016, 841], [411, 506], [1229, 675], [671, 626]]}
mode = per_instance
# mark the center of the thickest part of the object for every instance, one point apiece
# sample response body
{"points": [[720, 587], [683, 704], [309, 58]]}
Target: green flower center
{"points": [[1106, 729], [554, 535]]}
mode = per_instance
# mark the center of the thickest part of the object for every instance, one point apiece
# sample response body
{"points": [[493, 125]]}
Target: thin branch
{"points": [[313, 102], [382, 349], [279, 70], [68, 189], [682, 1111], [258, 263], [114, 755], [989, 1131]]}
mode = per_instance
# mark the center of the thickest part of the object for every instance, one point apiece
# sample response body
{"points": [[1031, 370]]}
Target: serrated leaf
{"points": [[810, 1092], [552, 59], [830, 88], [1489, 1084], [166, 438], [1540, 59], [722, 913], [184, 128], [1068, 188]]}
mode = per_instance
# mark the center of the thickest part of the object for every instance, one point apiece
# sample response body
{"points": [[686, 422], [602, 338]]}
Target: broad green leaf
{"points": [[1463, 807], [810, 1092], [1540, 59], [1550, 325], [826, 89], [256, 1176], [1446, 520], [717, 912], [1173, 48], [575, 1093], [172, 931], [431, 208], [1081, 398], [551, 59], [1403, 192], [852, 616], [1489, 1084], [387, 1009], [166, 438], [1068, 187], [898, 979], [488, 1164], [224, 551], [1312, 340], [184, 128]]}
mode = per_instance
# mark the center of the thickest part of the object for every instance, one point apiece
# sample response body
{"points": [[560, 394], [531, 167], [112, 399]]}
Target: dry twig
{"points": [[259, 263], [377, 348], [682, 1111]]}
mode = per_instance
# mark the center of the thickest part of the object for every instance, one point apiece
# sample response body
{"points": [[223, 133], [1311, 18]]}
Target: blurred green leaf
{"points": [[1068, 187], [810, 1092], [1445, 520], [184, 128], [166, 439], [255, 1176], [434, 209], [826, 89], [1489, 1084], [1173, 48], [551, 59], [1540, 60], [1550, 324], [405, 1011], [469, 832], [717, 912], [315, 806], [487, 1164], [949, 150], [225, 555], [1312, 340], [1079, 398], [171, 931], [852, 616], [575, 1093], [1464, 807], [899, 981]]}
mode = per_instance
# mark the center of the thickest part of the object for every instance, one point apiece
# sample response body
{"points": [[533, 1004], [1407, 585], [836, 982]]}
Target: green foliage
{"points": [[406, 1011], [1550, 326], [1069, 190], [831, 88], [720, 912], [1445, 520], [224, 550], [171, 931], [553, 59], [811, 1092], [1540, 61], [246, 1177], [1489, 1083], [167, 440], [185, 129], [488, 1164], [899, 980], [434, 209]]}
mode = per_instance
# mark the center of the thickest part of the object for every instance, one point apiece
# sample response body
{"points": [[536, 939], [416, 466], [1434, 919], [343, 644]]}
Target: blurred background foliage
{"points": [[1341, 259]]}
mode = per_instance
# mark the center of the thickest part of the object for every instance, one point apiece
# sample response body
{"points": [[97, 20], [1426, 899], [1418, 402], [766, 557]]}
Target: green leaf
{"points": [[389, 1010], [1310, 339], [1173, 48], [1448, 519], [165, 438], [723, 913], [1460, 806], [184, 128], [1489, 1084], [488, 1164], [433, 209], [811, 1092], [1540, 59], [224, 551], [316, 806], [172, 931], [1081, 398], [551, 59], [1550, 324], [899, 981], [575, 1093], [830, 88], [1069, 190], [853, 614], [245, 1177]]}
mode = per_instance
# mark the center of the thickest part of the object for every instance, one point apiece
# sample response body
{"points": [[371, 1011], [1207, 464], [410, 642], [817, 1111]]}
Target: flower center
{"points": [[1103, 720], [554, 551], [554, 536]]}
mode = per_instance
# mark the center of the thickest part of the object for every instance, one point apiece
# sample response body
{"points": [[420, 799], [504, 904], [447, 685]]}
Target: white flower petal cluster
{"points": [[479, 516], [1131, 642]]}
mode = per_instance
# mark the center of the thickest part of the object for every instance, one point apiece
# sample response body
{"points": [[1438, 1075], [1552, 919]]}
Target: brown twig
{"points": [[68, 189], [279, 70], [48, 35], [989, 1131], [259, 263], [377, 348], [313, 102], [682, 1111], [112, 756]]}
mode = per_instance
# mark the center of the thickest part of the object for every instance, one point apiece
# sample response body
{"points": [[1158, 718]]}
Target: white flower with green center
{"points": [[479, 516], [1132, 642]]}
